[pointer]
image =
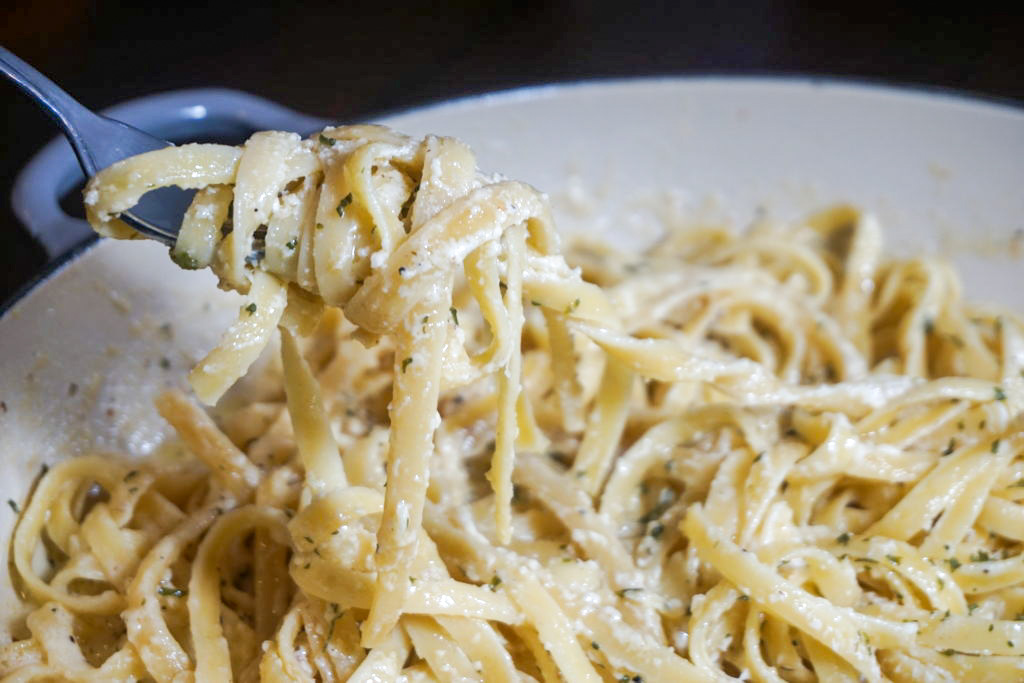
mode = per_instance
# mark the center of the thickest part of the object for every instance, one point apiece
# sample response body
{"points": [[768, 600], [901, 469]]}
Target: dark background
{"points": [[350, 60]]}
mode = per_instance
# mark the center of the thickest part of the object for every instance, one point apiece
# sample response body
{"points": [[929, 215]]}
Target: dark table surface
{"points": [[350, 60]]}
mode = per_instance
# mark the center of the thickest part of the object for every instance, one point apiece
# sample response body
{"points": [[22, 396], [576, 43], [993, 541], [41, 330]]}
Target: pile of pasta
{"points": [[773, 455]]}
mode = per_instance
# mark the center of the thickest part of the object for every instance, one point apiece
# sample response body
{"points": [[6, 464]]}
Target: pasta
{"points": [[771, 456]]}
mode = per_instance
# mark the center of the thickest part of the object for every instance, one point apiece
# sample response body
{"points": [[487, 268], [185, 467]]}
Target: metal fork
{"points": [[98, 142]]}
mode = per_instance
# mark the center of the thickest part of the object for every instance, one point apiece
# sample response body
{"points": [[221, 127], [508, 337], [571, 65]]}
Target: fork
{"points": [[98, 142], [211, 114]]}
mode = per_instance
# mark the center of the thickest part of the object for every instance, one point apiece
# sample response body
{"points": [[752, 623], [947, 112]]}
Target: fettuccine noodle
{"points": [[773, 456]]}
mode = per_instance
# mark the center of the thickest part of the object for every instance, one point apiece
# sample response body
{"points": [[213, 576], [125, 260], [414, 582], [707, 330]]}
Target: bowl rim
{"points": [[851, 84], [933, 94]]}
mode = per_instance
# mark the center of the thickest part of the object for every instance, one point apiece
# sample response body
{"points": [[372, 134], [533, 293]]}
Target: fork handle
{"points": [[199, 114], [64, 109]]}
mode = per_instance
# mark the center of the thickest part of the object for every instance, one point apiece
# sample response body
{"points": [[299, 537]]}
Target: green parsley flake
{"points": [[1000, 394], [455, 314], [405, 364], [995, 446], [345, 201], [324, 140], [895, 559], [14, 506], [251, 308], [494, 583], [654, 512], [843, 538], [184, 261], [407, 206], [291, 243], [171, 591]]}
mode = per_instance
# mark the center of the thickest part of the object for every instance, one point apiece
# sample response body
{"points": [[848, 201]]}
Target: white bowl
{"points": [[943, 173]]}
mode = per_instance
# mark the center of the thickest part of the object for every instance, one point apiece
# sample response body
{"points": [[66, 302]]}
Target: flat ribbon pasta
{"points": [[772, 456]]}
